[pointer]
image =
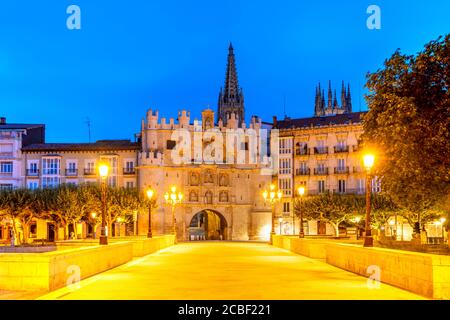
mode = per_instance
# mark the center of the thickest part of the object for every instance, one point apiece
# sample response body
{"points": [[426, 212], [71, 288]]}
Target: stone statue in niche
{"points": [[193, 196], [194, 179], [223, 180], [208, 197], [223, 196], [209, 177]]}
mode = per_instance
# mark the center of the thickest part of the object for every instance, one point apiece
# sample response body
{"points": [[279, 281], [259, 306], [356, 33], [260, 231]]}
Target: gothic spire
{"points": [[231, 99], [343, 96], [349, 100], [335, 102], [330, 96]]}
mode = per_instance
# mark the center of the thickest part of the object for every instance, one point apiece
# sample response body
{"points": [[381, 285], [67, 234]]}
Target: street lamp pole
{"points": [[173, 198], [301, 191], [150, 193], [273, 197], [103, 170], [369, 160]]}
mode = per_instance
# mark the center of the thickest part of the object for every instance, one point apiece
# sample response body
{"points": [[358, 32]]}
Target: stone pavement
{"points": [[227, 270]]}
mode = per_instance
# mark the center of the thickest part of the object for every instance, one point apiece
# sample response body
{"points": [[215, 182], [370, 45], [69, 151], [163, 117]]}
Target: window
{"points": [[6, 150], [129, 167], [6, 186], [170, 145], [130, 184], [321, 186], [6, 167], [244, 146], [341, 164], [285, 146], [32, 185], [286, 207], [341, 186], [50, 166], [33, 167], [33, 229], [285, 166], [285, 186], [50, 182], [376, 185], [360, 186]]}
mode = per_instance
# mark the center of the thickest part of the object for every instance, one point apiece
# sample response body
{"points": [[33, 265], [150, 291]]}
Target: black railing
{"points": [[321, 171], [340, 149], [320, 150], [341, 170], [129, 171], [302, 152], [303, 172], [32, 172], [71, 172], [89, 172]]}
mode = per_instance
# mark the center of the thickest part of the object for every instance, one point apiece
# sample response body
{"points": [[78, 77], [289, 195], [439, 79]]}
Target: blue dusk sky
{"points": [[170, 55]]}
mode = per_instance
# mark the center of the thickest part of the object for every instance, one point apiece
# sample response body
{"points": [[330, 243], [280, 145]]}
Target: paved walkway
{"points": [[227, 270]]}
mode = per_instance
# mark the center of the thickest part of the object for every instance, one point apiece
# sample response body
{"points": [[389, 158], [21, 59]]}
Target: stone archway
{"points": [[208, 224]]}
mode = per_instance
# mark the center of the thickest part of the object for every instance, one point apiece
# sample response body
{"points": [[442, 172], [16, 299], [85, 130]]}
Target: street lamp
{"points": [[173, 198], [103, 170], [369, 160], [273, 197], [150, 193], [301, 192]]}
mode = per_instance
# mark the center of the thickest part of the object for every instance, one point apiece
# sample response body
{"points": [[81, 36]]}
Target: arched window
{"points": [[193, 196], [209, 197], [223, 196]]}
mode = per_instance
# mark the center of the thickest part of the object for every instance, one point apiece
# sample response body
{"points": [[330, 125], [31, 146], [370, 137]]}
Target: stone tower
{"points": [[231, 99]]}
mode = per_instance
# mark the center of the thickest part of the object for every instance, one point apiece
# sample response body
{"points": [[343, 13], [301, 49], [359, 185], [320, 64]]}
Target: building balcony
{"points": [[321, 171], [129, 171], [340, 149], [341, 170], [6, 155], [89, 172], [321, 150], [302, 152], [71, 172], [51, 172], [32, 173], [6, 174], [303, 172]]}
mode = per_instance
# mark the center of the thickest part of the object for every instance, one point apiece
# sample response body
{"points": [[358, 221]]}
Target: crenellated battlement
{"points": [[154, 158]]}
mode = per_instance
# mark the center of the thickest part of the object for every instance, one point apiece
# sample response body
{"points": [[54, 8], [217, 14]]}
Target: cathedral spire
{"points": [[330, 96], [231, 99], [335, 102], [349, 100], [343, 97]]}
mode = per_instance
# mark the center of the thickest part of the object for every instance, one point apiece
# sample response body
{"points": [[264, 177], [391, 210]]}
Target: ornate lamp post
{"points": [[173, 198], [273, 197], [103, 170], [368, 160], [150, 193], [301, 192]]}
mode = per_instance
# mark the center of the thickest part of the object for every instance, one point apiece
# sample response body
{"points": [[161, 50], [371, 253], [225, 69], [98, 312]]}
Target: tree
{"points": [[408, 125], [330, 207]]}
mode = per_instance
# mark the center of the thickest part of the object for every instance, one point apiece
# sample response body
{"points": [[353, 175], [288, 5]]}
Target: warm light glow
{"points": [[150, 193], [369, 160], [166, 196], [358, 219], [265, 194], [280, 220], [173, 196], [103, 170], [180, 196], [272, 187], [392, 222], [173, 189], [93, 215], [119, 219], [279, 194], [264, 232], [442, 220], [301, 191]]}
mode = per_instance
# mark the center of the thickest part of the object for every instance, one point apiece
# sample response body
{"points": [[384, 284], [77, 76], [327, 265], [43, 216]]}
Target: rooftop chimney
{"points": [[2, 120]]}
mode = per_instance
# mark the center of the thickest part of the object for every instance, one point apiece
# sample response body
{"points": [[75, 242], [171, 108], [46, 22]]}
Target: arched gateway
{"points": [[208, 225]]}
